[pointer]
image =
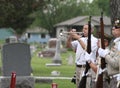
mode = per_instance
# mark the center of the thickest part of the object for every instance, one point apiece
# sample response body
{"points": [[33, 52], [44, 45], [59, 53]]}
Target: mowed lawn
{"points": [[40, 69]]}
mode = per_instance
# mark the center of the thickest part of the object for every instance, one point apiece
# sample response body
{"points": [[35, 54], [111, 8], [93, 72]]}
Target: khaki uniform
{"points": [[113, 63], [105, 77]]}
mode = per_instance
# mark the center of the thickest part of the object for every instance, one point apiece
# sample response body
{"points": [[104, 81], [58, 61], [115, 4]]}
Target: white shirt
{"points": [[80, 52]]}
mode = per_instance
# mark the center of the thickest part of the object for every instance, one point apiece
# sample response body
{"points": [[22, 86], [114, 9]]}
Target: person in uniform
{"points": [[79, 45], [95, 67], [112, 56]]}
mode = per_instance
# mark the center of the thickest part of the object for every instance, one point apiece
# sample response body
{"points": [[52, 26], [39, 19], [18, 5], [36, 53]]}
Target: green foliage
{"points": [[104, 6], [20, 14], [15, 14]]}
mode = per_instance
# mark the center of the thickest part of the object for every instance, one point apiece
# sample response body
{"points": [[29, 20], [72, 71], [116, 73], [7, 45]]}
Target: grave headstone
{"points": [[50, 51], [11, 39], [16, 57], [52, 43], [46, 53], [57, 57]]}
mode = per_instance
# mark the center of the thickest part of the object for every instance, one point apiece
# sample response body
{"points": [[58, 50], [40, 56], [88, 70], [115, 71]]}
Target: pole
{"points": [[99, 83]]}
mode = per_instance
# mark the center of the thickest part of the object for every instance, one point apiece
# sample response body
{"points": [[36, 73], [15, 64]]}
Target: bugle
{"points": [[66, 33]]}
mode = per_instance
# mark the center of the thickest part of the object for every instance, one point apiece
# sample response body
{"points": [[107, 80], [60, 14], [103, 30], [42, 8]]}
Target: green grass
{"points": [[60, 83], [40, 69]]}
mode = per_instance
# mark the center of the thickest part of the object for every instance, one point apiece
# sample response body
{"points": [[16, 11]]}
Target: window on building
{"points": [[42, 35]]}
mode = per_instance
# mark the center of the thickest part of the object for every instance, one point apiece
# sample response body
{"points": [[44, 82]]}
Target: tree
{"points": [[115, 9], [16, 13], [103, 6], [55, 11]]}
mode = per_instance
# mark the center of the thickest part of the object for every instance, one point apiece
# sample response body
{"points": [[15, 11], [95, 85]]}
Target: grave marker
{"points": [[16, 57], [57, 57]]}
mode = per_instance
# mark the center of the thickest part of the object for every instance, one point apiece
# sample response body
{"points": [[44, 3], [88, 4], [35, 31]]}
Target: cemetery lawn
{"points": [[41, 70]]}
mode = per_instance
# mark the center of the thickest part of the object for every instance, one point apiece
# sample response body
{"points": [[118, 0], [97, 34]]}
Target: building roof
{"points": [[6, 33], [36, 30], [81, 20]]}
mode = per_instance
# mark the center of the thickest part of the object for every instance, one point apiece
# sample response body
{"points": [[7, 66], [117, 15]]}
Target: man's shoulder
{"points": [[94, 38]]}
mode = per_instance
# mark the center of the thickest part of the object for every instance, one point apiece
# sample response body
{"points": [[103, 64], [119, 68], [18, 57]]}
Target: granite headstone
{"points": [[16, 57]]}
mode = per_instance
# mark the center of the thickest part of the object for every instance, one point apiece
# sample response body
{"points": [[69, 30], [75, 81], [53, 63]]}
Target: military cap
{"points": [[117, 23]]}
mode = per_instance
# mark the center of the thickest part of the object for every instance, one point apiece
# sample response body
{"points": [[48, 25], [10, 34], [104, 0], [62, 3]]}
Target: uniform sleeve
{"points": [[113, 60]]}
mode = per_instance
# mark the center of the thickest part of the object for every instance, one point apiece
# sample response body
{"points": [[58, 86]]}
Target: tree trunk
{"points": [[114, 9]]}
